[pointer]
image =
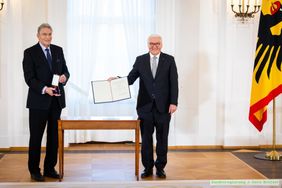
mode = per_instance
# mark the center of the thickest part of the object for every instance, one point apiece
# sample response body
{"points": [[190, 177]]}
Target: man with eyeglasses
{"points": [[157, 101]]}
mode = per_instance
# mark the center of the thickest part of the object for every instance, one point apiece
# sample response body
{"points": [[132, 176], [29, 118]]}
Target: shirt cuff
{"points": [[43, 90]]}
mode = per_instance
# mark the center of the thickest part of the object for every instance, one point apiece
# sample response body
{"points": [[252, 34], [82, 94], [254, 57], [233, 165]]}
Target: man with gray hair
{"points": [[157, 101], [44, 66]]}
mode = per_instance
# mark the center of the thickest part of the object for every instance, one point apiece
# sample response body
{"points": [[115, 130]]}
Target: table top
{"points": [[99, 118], [98, 122]]}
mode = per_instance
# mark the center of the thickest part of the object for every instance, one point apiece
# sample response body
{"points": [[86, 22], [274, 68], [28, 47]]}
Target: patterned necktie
{"points": [[154, 66], [49, 58]]}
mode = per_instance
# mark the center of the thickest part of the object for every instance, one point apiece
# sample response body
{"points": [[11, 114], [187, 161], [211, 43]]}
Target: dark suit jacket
{"points": [[37, 74], [163, 89]]}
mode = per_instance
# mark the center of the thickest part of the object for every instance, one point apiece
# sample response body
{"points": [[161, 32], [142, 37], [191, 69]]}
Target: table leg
{"points": [[63, 153], [137, 151]]}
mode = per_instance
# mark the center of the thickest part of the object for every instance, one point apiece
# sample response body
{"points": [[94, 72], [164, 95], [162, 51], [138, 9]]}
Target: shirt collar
{"points": [[158, 56], [43, 47]]}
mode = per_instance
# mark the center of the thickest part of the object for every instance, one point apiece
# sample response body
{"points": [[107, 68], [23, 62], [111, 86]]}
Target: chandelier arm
{"points": [[2, 5], [232, 8], [247, 10], [240, 9], [257, 8]]}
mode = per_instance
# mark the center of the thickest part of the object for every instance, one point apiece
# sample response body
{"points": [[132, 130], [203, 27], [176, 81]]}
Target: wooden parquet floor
{"points": [[114, 164]]}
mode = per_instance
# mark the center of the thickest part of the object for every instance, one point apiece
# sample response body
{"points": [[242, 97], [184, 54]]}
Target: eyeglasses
{"points": [[154, 44]]}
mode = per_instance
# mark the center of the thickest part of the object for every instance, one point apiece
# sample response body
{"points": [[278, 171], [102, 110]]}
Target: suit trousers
{"points": [[37, 123], [148, 122]]}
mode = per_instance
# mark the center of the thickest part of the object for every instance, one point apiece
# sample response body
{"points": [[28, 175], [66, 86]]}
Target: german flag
{"points": [[267, 75]]}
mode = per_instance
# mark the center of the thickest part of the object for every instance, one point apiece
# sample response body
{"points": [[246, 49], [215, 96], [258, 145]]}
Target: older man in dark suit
{"points": [[45, 102], [157, 100]]}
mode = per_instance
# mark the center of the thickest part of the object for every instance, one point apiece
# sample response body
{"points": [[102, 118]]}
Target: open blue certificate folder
{"points": [[110, 91]]}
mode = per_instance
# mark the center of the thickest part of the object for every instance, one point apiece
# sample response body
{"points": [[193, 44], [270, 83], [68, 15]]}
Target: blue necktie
{"points": [[49, 58]]}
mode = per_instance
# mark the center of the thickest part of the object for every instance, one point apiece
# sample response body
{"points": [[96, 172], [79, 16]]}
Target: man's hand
{"points": [[172, 109], [112, 78], [49, 91], [62, 79]]}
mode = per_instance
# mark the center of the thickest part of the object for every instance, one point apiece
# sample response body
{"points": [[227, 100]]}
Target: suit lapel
{"points": [[161, 64], [148, 65], [54, 55], [42, 56]]}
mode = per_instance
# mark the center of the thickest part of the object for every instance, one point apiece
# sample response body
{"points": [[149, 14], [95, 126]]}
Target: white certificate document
{"points": [[110, 91], [55, 80]]}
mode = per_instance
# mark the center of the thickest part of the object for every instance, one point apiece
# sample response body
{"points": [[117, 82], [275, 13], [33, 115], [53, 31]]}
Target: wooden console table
{"points": [[115, 123]]}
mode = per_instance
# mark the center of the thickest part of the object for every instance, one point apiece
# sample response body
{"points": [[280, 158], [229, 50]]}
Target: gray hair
{"points": [[44, 25], [153, 36]]}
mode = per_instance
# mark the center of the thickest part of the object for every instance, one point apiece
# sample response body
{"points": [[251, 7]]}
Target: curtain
{"points": [[214, 53], [103, 39], [14, 116]]}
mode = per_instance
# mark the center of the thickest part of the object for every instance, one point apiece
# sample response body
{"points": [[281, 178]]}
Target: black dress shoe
{"points": [[52, 174], [147, 173], [37, 176], [161, 173]]}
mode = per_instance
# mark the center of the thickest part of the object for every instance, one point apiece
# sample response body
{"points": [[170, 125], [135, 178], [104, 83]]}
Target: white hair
{"points": [[154, 36]]}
